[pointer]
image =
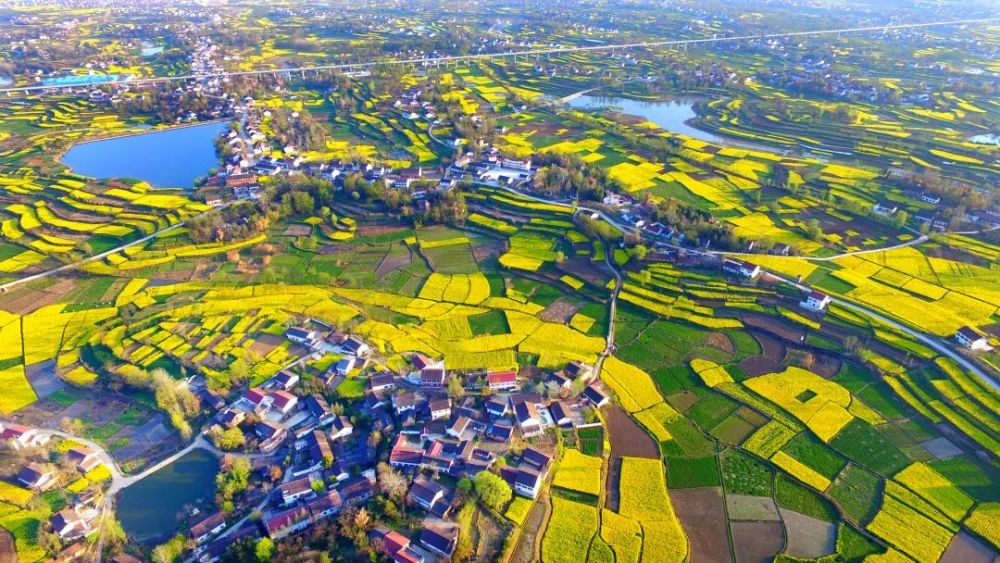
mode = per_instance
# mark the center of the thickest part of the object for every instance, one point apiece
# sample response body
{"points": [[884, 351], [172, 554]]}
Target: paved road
{"points": [[103, 255], [613, 310], [512, 54], [121, 481], [919, 240], [931, 341]]}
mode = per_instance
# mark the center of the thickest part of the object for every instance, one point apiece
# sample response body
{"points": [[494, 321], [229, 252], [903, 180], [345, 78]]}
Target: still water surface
{"points": [[170, 158]]}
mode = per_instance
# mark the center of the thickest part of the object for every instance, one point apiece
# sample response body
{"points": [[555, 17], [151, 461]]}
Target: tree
{"points": [[354, 524], [275, 473], [852, 344], [392, 482], [114, 534], [230, 439], [240, 551], [455, 388], [170, 551], [264, 550], [813, 230], [900, 219], [640, 252], [492, 490], [49, 541], [234, 480], [239, 370], [72, 426]]}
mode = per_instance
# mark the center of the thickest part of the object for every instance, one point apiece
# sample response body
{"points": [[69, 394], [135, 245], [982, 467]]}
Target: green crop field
{"points": [[571, 215]]}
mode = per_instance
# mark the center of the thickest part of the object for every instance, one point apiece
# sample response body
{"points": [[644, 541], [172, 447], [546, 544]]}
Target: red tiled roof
{"points": [[283, 398], [14, 431], [502, 377], [394, 542], [255, 396], [285, 519]]}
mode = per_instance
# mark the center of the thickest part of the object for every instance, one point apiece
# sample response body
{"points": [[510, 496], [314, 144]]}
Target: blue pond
{"points": [[152, 508], [671, 115], [172, 158]]}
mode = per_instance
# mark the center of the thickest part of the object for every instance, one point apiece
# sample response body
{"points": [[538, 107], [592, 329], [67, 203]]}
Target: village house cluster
{"points": [[250, 156], [430, 431], [436, 426], [79, 518]]}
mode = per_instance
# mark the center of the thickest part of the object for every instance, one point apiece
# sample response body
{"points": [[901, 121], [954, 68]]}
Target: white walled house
{"points": [[972, 339], [815, 301]]}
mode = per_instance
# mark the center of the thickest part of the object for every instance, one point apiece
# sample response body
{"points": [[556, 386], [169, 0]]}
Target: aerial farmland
{"points": [[499, 281]]}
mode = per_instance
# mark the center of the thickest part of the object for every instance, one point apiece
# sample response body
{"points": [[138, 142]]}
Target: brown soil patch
{"points": [[967, 549], [759, 365], [489, 536], [25, 299], [704, 522], [955, 254], [503, 214], [627, 439], [205, 270], [298, 230], [827, 366], [393, 262], [808, 537], [559, 311], [775, 326], [584, 268], [533, 528], [771, 348], [752, 508], [265, 343], [488, 249], [375, 230], [751, 416], [612, 494], [530, 372], [177, 275], [799, 357], [721, 341], [757, 542], [7, 552], [683, 401]]}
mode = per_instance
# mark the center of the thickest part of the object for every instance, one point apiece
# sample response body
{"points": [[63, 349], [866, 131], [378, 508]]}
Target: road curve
{"points": [[931, 341]]}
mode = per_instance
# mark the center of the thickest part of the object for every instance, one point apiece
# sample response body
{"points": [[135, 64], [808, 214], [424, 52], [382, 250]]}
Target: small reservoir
{"points": [[153, 508], [670, 115], [169, 158]]}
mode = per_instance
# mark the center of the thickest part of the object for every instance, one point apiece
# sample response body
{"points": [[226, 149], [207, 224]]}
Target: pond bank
{"points": [[165, 158], [152, 508]]}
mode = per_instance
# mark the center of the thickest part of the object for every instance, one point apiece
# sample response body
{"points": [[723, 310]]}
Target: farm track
{"points": [[429, 61]]}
